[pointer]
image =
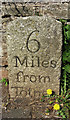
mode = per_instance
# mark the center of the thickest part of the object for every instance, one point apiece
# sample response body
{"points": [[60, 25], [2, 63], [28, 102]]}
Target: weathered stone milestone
{"points": [[34, 55]]}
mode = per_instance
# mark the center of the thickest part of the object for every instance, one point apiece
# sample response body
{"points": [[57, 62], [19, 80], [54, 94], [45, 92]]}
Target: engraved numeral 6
{"points": [[34, 41]]}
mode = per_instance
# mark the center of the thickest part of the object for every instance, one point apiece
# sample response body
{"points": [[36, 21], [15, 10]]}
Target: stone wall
{"points": [[56, 10]]}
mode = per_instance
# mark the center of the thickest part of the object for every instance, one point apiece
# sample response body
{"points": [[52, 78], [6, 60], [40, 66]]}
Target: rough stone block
{"points": [[34, 56]]}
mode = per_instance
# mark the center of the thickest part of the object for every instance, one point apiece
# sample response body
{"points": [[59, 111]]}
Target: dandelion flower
{"points": [[49, 91], [56, 107]]}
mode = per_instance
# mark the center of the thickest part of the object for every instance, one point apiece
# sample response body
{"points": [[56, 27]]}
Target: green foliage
{"points": [[63, 21], [62, 100], [65, 79], [4, 80]]}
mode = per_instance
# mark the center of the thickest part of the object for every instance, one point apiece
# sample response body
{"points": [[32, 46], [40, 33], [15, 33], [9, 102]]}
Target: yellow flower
{"points": [[56, 101], [56, 107], [49, 91]]}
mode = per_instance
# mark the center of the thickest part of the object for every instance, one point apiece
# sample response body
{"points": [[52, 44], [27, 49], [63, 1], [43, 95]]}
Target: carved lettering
{"points": [[21, 63], [53, 64], [44, 78], [24, 93], [19, 74], [17, 93], [32, 61], [35, 41], [45, 64], [47, 79], [35, 62], [30, 91], [33, 78]]}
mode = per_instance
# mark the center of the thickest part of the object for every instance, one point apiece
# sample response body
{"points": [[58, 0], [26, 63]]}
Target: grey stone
{"points": [[17, 113], [56, 10], [69, 10], [35, 1], [34, 56], [0, 52], [0, 62]]}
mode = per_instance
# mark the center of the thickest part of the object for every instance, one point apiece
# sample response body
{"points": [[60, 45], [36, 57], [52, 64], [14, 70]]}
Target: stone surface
{"points": [[0, 61], [69, 10], [34, 56], [17, 113], [56, 10], [35, 1]]}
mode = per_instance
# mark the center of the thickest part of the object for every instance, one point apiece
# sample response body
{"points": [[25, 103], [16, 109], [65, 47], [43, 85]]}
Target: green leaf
{"points": [[67, 68], [65, 42], [3, 80], [62, 90], [61, 113], [66, 56], [6, 83], [61, 20], [64, 116], [51, 102], [67, 96], [68, 34], [43, 96], [67, 27]]}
